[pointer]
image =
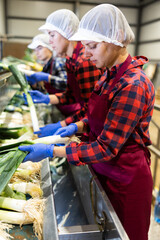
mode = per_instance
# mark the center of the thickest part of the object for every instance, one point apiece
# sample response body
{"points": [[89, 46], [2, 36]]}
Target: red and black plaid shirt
{"points": [[87, 75], [130, 112]]}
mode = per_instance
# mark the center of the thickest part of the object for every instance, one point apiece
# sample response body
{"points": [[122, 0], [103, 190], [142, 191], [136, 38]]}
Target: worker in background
{"points": [[54, 73], [82, 74], [53, 78], [119, 112]]}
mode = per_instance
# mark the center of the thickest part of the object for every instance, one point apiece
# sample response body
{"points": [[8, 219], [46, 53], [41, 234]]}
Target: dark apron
{"points": [[69, 109], [127, 176], [50, 89]]}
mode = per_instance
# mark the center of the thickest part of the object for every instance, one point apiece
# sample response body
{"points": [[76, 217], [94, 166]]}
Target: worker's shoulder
{"points": [[137, 77]]}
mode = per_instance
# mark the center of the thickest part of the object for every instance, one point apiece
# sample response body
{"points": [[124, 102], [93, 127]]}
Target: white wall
{"points": [[24, 20], [2, 20], [150, 32]]}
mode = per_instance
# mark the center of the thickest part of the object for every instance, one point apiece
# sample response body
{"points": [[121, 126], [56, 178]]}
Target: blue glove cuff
{"points": [[47, 99], [50, 149], [75, 125], [59, 124]]}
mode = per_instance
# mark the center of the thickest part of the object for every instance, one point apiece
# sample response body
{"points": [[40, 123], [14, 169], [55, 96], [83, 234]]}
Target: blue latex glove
{"points": [[37, 77], [48, 130], [37, 97], [67, 131], [37, 151]]}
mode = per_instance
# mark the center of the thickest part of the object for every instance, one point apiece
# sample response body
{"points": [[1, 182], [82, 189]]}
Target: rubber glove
{"points": [[37, 151], [48, 130], [37, 77], [67, 131], [37, 97]]}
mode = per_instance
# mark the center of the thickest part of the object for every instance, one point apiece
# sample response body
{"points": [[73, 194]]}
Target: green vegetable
{"points": [[24, 85], [11, 163], [7, 133], [8, 192]]}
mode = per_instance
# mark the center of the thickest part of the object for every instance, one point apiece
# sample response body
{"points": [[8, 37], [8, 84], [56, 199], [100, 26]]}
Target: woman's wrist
{"points": [[59, 151]]}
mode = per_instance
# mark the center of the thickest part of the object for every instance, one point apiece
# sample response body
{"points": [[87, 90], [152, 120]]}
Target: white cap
{"points": [[104, 22], [40, 40], [63, 21]]}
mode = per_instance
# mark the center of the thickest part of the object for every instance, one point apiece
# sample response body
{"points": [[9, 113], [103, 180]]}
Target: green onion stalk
{"points": [[24, 85]]}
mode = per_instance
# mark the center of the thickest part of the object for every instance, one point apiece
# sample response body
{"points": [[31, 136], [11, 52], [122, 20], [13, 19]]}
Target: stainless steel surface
{"points": [[96, 204], [82, 209], [85, 232], [50, 224]]}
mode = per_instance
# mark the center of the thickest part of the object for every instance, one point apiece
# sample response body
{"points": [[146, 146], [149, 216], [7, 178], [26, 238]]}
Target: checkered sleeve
{"points": [[59, 81], [129, 114], [86, 74]]}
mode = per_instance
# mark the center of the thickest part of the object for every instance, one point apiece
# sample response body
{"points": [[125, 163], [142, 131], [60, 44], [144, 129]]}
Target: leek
{"points": [[27, 175], [12, 162], [9, 167], [54, 139], [30, 211], [15, 217], [35, 166], [32, 189], [8, 192], [24, 85], [15, 132]]}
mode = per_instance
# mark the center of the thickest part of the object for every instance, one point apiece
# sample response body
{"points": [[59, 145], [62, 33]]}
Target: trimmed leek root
{"points": [[34, 166], [27, 171], [4, 231], [27, 175], [30, 211]]}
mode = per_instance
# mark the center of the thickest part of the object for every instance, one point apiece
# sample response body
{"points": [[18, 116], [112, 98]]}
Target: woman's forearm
{"points": [[53, 99], [81, 127], [59, 151]]}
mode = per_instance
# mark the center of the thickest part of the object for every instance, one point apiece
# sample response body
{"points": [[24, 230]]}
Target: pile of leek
{"points": [[24, 85], [23, 212], [11, 157]]}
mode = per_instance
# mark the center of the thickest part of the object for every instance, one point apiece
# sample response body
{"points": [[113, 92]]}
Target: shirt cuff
{"points": [[69, 120], [72, 155]]}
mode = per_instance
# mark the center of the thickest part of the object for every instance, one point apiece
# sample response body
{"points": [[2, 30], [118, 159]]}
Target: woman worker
{"points": [[53, 78], [54, 74], [82, 74], [118, 117]]}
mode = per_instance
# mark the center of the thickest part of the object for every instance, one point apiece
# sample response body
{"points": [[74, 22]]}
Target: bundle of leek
{"points": [[24, 85], [11, 157], [23, 212]]}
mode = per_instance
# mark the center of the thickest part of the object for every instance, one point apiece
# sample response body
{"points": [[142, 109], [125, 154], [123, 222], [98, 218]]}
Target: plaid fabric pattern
{"points": [[58, 72], [131, 107], [86, 74]]}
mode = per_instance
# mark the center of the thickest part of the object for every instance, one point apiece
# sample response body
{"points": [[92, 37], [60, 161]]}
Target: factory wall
{"points": [[22, 22]]}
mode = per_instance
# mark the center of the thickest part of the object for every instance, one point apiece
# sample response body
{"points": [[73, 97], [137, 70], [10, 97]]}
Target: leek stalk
{"points": [[32, 189], [24, 85], [8, 192], [15, 217], [9, 167]]}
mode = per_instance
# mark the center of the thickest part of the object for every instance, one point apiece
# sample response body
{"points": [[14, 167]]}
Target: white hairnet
{"points": [[104, 22], [40, 40], [63, 21]]}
